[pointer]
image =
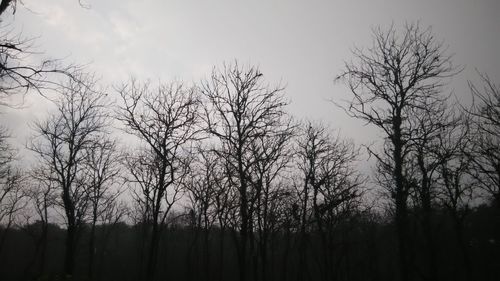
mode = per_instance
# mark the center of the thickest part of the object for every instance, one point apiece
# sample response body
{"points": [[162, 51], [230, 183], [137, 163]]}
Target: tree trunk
{"points": [[401, 226], [264, 260], [459, 231], [302, 246], [38, 259], [101, 261], [153, 253], [431, 247], [43, 252], [221, 250], [69, 259], [91, 250], [400, 194], [284, 267], [253, 252], [242, 255], [425, 198], [206, 255]]}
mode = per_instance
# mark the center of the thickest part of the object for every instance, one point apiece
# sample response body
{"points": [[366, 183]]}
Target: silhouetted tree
{"points": [[11, 189], [225, 204], [165, 120], [113, 214], [326, 164], [272, 154], [438, 139], [61, 144], [42, 196], [201, 190], [101, 172], [485, 131], [388, 80], [240, 109], [12, 200], [455, 188], [20, 72]]}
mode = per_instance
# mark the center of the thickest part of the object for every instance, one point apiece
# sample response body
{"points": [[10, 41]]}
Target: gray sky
{"points": [[301, 44]]}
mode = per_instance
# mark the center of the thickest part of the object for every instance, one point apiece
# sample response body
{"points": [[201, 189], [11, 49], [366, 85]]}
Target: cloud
{"points": [[124, 27], [303, 44], [69, 22]]}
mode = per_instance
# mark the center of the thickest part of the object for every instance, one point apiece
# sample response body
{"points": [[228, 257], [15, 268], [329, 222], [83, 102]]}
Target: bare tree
{"points": [[114, 213], [225, 204], [165, 120], [438, 139], [22, 71], [292, 225], [11, 186], [201, 190], [388, 80], [21, 68], [455, 189], [7, 153], [42, 196], [61, 143], [101, 171], [327, 167], [485, 132], [12, 200], [239, 110], [272, 154]]}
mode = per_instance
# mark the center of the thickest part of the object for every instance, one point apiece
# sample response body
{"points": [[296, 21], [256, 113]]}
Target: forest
{"points": [[216, 180]]}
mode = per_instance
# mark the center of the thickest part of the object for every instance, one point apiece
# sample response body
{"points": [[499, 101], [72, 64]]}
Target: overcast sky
{"points": [[300, 44]]}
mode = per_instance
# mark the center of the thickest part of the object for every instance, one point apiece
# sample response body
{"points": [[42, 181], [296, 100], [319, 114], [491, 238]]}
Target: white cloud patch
{"points": [[65, 19], [123, 27]]}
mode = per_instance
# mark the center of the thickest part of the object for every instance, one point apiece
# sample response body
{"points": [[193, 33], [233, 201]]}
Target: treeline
{"points": [[365, 251], [224, 184]]}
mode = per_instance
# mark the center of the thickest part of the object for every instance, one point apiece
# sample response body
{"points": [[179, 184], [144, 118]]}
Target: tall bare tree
{"points": [[438, 139], [11, 186], [114, 213], [43, 197], [272, 153], [225, 204], [12, 200], [61, 144], [101, 172], [240, 109], [455, 189], [202, 193], [388, 80], [327, 167], [165, 119], [485, 132]]}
